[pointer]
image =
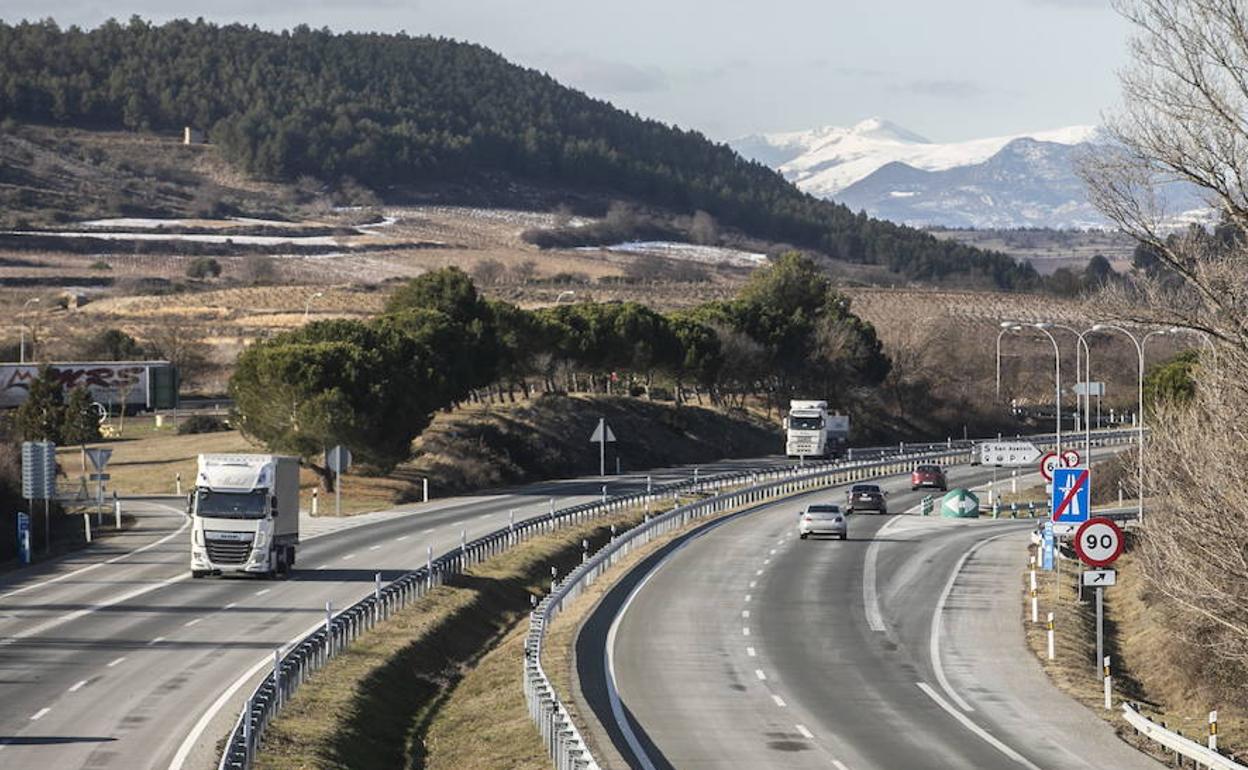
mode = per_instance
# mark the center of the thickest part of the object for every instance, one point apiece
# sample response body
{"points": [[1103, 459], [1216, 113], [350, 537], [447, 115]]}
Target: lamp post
{"points": [[1043, 328], [22, 326], [1139, 343], [1087, 379], [1006, 326], [564, 293], [307, 306]]}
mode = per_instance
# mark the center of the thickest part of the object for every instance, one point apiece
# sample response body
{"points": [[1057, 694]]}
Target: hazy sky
{"points": [[947, 69]]}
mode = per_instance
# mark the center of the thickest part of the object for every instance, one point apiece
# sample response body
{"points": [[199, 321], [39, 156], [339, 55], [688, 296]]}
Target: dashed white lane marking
{"points": [[748, 597], [39, 714], [427, 531], [970, 725], [767, 561], [807, 734], [115, 662], [759, 572], [230, 606], [745, 613], [190, 623], [348, 556], [374, 547], [402, 537], [155, 641], [839, 765], [263, 591], [773, 552], [753, 583], [762, 677], [485, 516], [750, 651], [78, 686], [323, 566], [779, 701], [745, 631]]}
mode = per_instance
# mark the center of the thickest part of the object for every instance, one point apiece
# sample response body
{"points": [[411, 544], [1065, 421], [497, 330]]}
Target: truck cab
{"points": [[811, 432], [244, 513]]}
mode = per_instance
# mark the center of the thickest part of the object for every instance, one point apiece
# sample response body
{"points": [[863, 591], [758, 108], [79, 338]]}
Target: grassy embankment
{"points": [[438, 685], [473, 448], [1149, 668]]}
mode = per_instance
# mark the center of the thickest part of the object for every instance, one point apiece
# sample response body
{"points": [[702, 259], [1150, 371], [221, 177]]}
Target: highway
{"points": [[114, 658], [746, 647]]}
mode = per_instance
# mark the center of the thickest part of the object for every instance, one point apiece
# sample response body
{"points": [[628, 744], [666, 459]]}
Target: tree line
{"points": [[375, 385], [397, 110]]}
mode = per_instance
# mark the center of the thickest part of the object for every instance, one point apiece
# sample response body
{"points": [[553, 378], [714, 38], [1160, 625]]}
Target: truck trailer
{"points": [[811, 432], [244, 513], [118, 386]]}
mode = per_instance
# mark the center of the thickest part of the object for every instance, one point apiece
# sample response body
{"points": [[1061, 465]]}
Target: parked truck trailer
{"points": [[129, 386]]}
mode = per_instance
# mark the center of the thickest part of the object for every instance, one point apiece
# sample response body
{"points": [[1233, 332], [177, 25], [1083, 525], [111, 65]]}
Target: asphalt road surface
{"points": [[746, 647], [113, 658]]}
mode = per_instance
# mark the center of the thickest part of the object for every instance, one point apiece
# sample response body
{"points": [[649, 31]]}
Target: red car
{"points": [[928, 476]]}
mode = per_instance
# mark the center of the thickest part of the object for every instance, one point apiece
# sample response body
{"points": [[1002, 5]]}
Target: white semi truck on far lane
{"points": [[244, 515], [811, 432]]}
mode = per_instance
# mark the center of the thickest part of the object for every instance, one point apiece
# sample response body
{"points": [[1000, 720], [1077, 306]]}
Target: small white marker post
{"points": [[604, 494], [177, 482], [424, 485], [329, 620], [377, 588], [1013, 482], [315, 500], [648, 490], [1035, 602], [1213, 730], [86, 523], [1052, 654], [1108, 685], [429, 566], [116, 511], [277, 676]]}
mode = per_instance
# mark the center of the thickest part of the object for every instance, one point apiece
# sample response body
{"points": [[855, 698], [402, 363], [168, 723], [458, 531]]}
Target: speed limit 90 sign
{"points": [[1098, 542]]}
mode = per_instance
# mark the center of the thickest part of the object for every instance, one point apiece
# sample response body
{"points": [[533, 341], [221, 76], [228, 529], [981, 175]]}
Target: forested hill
{"points": [[397, 110]]}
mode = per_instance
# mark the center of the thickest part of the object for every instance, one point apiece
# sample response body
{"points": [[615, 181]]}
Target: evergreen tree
{"points": [[41, 417]]}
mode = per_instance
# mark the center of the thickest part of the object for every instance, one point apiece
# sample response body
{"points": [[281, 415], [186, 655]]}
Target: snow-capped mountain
{"points": [[1023, 180]]}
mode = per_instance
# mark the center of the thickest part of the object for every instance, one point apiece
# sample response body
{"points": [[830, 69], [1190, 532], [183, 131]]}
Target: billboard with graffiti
{"points": [[129, 385]]}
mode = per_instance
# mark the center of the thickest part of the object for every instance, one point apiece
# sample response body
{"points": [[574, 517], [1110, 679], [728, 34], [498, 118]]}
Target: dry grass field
{"points": [[1048, 250]]}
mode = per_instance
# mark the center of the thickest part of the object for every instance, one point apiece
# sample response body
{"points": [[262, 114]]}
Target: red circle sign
{"points": [[1098, 542], [1070, 458], [1048, 463]]}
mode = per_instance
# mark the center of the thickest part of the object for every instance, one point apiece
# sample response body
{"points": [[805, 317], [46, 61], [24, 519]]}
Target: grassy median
{"points": [[438, 686]]}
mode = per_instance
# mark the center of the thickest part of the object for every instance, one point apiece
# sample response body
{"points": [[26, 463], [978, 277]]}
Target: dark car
{"points": [[867, 497], [930, 476]]}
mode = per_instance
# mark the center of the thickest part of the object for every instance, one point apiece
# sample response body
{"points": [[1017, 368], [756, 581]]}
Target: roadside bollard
{"points": [[1213, 730], [1031, 509], [177, 482], [1052, 654], [1013, 510], [584, 551], [1108, 685], [315, 501], [116, 511], [1035, 603], [86, 523], [996, 509]]}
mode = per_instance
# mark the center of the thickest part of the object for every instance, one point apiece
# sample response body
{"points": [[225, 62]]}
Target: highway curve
{"points": [[749, 648], [114, 658]]}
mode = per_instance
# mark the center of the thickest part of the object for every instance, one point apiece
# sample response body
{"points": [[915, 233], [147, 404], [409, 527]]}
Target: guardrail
{"points": [[563, 740], [1182, 747], [316, 649]]}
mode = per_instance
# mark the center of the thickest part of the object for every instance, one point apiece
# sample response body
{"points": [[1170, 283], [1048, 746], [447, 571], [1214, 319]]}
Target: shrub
{"points": [[100, 264], [202, 423], [204, 267]]}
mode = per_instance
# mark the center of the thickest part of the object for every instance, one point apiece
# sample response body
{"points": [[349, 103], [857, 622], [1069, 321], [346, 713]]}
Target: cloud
{"points": [[602, 76], [1089, 5], [940, 89], [826, 65]]}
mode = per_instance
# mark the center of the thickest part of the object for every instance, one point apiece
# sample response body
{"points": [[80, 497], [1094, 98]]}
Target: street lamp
{"points": [[1087, 379], [1006, 326], [22, 325], [1043, 328], [307, 306], [1139, 351], [564, 293]]}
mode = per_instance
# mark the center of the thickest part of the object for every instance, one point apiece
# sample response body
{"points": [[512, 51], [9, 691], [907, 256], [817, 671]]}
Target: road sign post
{"points": [[1098, 542], [338, 460], [602, 436]]}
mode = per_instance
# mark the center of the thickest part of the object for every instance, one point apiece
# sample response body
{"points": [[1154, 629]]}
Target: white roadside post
{"points": [[177, 483], [1051, 651], [1108, 685], [329, 622], [116, 511], [315, 501], [1035, 602], [338, 460], [424, 485], [1213, 730]]}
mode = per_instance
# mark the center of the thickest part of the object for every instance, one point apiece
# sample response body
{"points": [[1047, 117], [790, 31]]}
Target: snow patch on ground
{"points": [[137, 223], [242, 240], [714, 255]]}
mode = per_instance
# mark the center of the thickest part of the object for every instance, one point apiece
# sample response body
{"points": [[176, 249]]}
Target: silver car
{"points": [[822, 519]]}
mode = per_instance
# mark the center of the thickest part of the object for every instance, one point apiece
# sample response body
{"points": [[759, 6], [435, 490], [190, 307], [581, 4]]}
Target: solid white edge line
{"points": [[938, 613], [188, 743], [186, 521], [115, 662], [979, 731], [839, 764], [870, 594]]}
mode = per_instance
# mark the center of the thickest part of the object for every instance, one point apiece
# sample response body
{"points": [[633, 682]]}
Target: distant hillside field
{"points": [[397, 112]]}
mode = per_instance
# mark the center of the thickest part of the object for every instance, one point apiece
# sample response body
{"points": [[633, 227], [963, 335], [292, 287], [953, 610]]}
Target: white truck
{"points": [[244, 514], [812, 432]]}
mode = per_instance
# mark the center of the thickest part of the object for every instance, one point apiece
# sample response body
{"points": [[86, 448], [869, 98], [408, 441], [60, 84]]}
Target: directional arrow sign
{"points": [[1100, 577], [597, 437], [959, 504], [1014, 454]]}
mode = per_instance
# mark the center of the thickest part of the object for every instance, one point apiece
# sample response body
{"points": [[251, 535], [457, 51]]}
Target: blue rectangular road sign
{"points": [[1047, 552], [1072, 495], [23, 537]]}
